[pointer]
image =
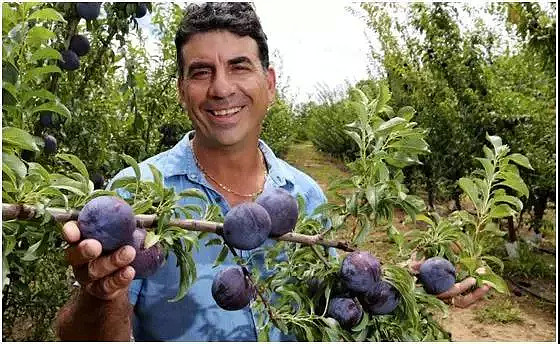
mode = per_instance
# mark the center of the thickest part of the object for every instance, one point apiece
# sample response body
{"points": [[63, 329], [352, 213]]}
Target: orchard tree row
{"points": [[463, 82]]}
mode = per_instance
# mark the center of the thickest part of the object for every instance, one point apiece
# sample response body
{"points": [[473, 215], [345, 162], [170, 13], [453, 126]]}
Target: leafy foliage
{"points": [[387, 142]]}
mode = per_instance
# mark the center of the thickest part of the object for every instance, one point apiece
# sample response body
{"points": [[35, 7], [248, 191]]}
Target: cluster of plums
{"points": [[79, 44], [247, 226], [360, 274], [110, 220]]}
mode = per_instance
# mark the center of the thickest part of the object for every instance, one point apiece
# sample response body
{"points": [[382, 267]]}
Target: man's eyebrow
{"points": [[240, 59], [198, 65]]}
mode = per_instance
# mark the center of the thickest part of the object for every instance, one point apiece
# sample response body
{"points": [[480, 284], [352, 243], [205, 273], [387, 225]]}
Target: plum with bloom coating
{"points": [[359, 271], [282, 209], [383, 298], [88, 10], [79, 44], [246, 226], [231, 290], [437, 275], [70, 60], [147, 260], [346, 311], [109, 220]]}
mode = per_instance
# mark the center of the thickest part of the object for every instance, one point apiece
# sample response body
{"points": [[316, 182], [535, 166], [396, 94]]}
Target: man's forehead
{"points": [[209, 46]]}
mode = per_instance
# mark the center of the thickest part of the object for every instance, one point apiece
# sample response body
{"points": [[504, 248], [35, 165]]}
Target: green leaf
{"points": [[9, 72], [53, 106], [46, 53], [471, 189], [407, 112], [8, 184], [354, 137], [495, 282], [390, 124], [364, 231], [501, 211], [158, 178], [495, 140], [488, 167], [516, 202], [18, 138], [14, 164], [30, 254], [132, 162], [362, 324], [142, 206], [47, 14], [40, 94], [192, 192], [37, 169], [514, 181], [520, 160], [221, 257], [122, 182], [38, 71], [37, 34], [76, 162], [151, 239]]}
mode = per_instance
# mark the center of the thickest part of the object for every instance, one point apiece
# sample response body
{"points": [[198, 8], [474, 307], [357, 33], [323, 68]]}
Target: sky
{"points": [[312, 44]]}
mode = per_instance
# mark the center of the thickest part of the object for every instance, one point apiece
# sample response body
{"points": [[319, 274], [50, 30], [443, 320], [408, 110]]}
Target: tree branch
{"points": [[28, 212]]}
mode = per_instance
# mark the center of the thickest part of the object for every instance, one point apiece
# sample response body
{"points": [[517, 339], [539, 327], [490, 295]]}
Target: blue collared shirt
{"points": [[197, 317]]}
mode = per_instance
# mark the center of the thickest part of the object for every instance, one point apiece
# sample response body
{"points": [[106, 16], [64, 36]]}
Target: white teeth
{"points": [[226, 111]]}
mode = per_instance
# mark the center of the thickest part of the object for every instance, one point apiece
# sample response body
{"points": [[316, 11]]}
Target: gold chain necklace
{"points": [[223, 187]]}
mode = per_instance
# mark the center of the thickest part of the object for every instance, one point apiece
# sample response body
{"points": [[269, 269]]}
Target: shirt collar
{"points": [[180, 161]]}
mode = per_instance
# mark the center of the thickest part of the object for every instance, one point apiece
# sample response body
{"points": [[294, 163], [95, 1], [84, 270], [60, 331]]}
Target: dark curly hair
{"points": [[239, 18]]}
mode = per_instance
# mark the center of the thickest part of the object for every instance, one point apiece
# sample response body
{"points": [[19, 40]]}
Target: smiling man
{"points": [[225, 85]]}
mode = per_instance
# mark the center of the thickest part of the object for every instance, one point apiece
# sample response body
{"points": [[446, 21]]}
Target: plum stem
{"points": [[28, 212]]}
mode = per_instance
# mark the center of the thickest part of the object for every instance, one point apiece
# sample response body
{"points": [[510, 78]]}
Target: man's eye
{"points": [[240, 68], [200, 74]]}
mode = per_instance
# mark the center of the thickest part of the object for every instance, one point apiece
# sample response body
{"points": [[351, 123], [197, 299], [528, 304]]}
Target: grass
{"points": [[503, 311], [530, 264]]}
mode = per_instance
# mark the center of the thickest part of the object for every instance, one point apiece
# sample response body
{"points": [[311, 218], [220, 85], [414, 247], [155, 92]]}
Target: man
{"points": [[226, 85]]}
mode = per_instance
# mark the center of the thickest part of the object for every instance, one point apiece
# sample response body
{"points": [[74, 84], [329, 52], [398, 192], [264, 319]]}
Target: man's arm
{"points": [[87, 318], [100, 310]]}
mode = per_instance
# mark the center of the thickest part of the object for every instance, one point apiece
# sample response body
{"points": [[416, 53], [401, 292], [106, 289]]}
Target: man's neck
{"points": [[239, 168]]}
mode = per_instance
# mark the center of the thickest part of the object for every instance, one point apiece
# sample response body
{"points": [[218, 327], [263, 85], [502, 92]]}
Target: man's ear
{"points": [[271, 83]]}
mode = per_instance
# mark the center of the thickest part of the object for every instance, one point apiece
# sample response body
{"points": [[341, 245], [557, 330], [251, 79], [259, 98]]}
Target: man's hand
{"points": [[105, 277], [453, 295]]}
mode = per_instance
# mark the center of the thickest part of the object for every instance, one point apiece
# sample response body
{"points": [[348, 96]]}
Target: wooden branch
{"points": [[28, 212]]}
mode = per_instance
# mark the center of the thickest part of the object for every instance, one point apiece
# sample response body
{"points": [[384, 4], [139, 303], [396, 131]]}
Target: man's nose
{"points": [[221, 85]]}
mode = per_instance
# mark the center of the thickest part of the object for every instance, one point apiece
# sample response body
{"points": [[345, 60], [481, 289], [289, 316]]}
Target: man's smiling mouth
{"points": [[226, 112]]}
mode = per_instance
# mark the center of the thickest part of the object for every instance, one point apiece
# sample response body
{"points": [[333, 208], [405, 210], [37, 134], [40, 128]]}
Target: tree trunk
{"points": [[512, 233], [538, 210], [457, 199]]}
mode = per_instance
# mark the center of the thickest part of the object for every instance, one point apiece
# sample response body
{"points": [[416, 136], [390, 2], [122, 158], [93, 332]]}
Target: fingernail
{"points": [[127, 273], [126, 253], [90, 251]]}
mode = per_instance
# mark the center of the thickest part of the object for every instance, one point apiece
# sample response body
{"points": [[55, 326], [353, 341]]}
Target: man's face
{"points": [[225, 88]]}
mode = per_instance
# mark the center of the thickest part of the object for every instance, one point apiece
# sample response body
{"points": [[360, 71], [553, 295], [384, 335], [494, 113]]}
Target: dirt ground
{"points": [[537, 321]]}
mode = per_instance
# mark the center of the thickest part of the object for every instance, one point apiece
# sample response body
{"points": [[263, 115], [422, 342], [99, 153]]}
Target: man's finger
{"points": [[470, 298], [106, 265], [84, 252], [458, 288], [71, 232], [110, 286]]}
